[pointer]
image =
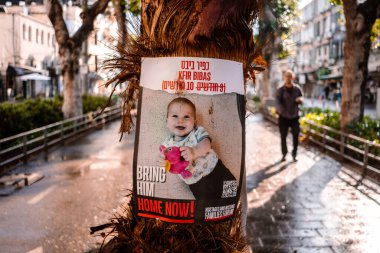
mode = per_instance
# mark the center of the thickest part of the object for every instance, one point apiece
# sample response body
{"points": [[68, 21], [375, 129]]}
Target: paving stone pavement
{"points": [[314, 205]]}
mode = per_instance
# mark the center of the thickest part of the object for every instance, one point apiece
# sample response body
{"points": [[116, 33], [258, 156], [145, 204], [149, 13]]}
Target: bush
{"points": [[368, 129], [256, 99], [33, 113], [27, 115], [94, 103]]}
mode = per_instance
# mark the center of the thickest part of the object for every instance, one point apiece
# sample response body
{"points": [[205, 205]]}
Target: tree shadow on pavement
{"points": [[293, 218], [255, 179], [359, 184]]}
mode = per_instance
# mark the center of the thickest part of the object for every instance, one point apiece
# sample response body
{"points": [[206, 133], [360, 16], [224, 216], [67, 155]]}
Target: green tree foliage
{"points": [[276, 22], [375, 34], [134, 7]]}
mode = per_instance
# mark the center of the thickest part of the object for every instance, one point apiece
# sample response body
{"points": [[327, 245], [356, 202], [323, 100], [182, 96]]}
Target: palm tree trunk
{"points": [[214, 29]]}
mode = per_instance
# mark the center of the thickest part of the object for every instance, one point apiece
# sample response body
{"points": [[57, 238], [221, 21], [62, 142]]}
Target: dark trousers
{"points": [[284, 125], [211, 186]]}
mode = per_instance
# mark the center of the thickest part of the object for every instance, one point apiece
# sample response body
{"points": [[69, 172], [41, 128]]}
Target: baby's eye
{"points": [[187, 117], [174, 116]]}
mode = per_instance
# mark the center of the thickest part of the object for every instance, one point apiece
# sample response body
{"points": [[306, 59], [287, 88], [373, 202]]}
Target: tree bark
{"points": [[214, 28], [359, 21], [120, 12], [266, 89], [201, 28], [72, 103], [69, 49]]}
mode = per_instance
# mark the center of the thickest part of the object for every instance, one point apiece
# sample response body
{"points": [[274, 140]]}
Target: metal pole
{"points": [[75, 125], [24, 148], [365, 158], [104, 118], [342, 142], [61, 131], [45, 145], [1, 154]]}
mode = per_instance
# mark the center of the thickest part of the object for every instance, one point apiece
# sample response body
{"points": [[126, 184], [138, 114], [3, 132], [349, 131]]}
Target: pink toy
{"points": [[174, 164]]}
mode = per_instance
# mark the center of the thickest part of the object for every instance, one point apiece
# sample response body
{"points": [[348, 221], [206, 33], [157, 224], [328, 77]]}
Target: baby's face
{"points": [[181, 119]]}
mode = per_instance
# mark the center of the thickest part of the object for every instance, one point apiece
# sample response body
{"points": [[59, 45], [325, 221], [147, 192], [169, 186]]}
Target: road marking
{"points": [[41, 195], [36, 250]]}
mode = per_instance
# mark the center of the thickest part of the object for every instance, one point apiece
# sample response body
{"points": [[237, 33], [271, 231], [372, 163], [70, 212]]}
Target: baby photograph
{"points": [[189, 145]]}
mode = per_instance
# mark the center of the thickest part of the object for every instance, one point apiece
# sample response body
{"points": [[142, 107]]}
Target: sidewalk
{"points": [[369, 110], [314, 205]]}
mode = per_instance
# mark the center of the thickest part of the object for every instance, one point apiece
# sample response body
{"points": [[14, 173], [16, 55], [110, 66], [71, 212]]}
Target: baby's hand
{"points": [[187, 153], [161, 160]]}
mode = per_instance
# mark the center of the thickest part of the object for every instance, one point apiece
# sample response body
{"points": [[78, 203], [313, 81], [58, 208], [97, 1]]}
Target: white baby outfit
{"points": [[202, 166]]}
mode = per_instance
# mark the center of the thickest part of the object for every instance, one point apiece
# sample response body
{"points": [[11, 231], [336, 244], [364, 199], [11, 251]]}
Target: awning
{"points": [[17, 71], [331, 76], [309, 71], [35, 76]]}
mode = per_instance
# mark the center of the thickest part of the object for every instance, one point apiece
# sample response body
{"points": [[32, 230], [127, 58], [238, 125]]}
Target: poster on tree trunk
{"points": [[189, 148]]}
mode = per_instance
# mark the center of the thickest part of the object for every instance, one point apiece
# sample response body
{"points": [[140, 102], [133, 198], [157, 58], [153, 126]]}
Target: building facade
{"points": [[319, 58], [27, 46]]}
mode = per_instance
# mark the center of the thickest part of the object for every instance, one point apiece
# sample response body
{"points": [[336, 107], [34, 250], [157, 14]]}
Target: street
{"points": [[84, 182], [315, 205]]}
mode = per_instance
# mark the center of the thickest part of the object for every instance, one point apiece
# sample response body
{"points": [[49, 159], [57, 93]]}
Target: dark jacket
{"points": [[286, 104]]}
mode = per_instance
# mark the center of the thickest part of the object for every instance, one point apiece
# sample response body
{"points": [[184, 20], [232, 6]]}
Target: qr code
{"points": [[229, 189]]}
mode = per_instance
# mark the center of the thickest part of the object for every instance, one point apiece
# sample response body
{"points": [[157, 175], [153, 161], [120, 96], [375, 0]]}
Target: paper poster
{"points": [[189, 148]]}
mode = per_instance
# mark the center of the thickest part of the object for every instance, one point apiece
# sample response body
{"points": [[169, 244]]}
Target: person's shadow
{"points": [[255, 179]]}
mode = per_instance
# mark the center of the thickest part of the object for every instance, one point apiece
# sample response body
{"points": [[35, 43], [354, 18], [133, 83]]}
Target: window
{"points": [[42, 37], [48, 39], [324, 26], [30, 33], [335, 21], [24, 31], [317, 29], [53, 40], [334, 50], [37, 35]]}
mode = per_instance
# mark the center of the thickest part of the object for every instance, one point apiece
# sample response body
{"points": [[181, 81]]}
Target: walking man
{"points": [[288, 98]]}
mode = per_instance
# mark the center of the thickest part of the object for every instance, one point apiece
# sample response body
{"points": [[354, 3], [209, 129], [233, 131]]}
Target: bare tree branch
{"points": [[55, 14], [88, 16]]}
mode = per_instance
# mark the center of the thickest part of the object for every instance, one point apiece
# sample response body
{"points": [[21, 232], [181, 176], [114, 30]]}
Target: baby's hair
{"points": [[181, 100]]}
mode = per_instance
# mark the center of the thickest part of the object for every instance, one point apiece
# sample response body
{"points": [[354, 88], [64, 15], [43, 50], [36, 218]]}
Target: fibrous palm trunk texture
{"points": [[202, 28]]}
